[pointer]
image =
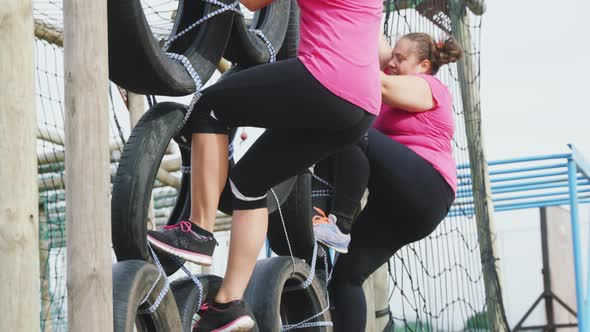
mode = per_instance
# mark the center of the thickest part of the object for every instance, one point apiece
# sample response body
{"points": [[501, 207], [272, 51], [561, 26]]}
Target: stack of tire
{"points": [[138, 64]]}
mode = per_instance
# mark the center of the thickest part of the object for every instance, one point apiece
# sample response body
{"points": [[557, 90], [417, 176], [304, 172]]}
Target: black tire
{"points": [[132, 282], [137, 61], [274, 305], [297, 214], [182, 208], [186, 295], [291, 42], [133, 183], [248, 49]]}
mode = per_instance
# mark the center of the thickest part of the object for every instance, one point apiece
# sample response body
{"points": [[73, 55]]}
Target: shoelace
{"points": [[185, 226], [203, 309], [321, 219]]}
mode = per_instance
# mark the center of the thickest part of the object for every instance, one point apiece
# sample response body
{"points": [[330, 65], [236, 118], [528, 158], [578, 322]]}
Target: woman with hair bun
{"points": [[406, 163]]}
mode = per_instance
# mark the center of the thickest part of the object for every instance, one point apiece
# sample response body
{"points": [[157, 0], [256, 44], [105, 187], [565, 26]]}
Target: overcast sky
{"points": [[535, 62]]}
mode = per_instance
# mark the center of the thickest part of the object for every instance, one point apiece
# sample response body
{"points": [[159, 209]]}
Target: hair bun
{"points": [[449, 51]]}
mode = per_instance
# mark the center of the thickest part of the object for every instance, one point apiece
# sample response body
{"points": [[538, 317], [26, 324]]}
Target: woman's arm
{"points": [[254, 5], [384, 52], [408, 92]]}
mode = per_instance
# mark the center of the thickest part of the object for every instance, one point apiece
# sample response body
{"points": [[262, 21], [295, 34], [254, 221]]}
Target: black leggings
{"points": [[407, 200], [306, 122], [350, 176]]}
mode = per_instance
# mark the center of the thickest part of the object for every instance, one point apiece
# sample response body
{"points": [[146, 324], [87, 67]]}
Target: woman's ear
{"points": [[425, 66]]}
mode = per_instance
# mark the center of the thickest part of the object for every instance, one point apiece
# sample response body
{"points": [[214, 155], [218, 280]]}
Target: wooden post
{"points": [[136, 106], [369, 290], [89, 270], [44, 250], [223, 65], [482, 195], [381, 297], [19, 223]]}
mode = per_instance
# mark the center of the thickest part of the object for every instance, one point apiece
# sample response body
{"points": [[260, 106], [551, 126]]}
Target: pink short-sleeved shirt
{"points": [[429, 133], [339, 42]]}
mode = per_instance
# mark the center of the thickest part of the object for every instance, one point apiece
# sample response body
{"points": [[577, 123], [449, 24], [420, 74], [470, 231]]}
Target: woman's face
{"points": [[404, 60]]}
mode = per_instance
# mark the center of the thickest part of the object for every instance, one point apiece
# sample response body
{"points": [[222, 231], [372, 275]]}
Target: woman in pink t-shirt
{"points": [[312, 105], [407, 164]]}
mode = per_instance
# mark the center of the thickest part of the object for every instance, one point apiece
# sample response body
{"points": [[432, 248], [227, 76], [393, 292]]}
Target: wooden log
{"points": [[482, 195], [44, 249], [136, 107], [477, 7], [89, 260], [56, 136], [223, 65], [49, 33], [19, 238], [171, 163]]}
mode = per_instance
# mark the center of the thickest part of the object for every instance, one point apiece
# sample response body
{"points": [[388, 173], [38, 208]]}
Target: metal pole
{"points": [[547, 293], [19, 223], [89, 259], [580, 301]]}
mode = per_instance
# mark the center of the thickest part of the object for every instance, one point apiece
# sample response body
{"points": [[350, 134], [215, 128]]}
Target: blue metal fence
{"points": [[534, 182]]}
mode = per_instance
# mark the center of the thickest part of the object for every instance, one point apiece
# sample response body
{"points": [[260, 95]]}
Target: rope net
{"points": [[435, 284]]}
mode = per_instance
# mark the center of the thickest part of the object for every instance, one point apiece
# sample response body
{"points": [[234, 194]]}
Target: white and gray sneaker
{"points": [[327, 233]]}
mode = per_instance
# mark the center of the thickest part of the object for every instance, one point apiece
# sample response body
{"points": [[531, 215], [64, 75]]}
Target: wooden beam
{"points": [[19, 223], [49, 33], [223, 65], [44, 158], [89, 260], [477, 7], [482, 196], [136, 107], [171, 163], [44, 250], [56, 136]]}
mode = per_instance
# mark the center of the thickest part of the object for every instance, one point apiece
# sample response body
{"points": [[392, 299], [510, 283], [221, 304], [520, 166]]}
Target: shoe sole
{"points": [[330, 245], [186, 255], [242, 324]]}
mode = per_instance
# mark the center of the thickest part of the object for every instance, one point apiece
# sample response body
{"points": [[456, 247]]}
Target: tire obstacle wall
{"points": [[416, 276]]}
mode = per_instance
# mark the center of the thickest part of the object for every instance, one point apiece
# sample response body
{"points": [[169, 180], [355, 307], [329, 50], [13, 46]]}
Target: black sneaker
{"points": [[181, 240], [235, 318]]}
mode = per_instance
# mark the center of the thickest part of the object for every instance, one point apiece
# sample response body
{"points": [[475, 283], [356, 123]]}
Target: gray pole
{"points": [[482, 197], [19, 246], [89, 260]]}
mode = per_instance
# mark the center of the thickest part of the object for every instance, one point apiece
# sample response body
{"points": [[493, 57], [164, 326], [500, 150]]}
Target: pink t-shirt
{"points": [[428, 133], [339, 42]]}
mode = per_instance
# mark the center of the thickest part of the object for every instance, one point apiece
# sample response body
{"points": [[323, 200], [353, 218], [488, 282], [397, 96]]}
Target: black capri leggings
{"points": [[407, 200], [306, 122]]}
